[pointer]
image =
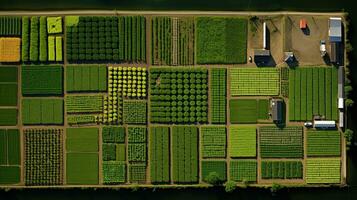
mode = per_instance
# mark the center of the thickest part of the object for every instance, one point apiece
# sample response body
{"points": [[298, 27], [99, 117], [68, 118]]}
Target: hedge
{"points": [[34, 39], [25, 38], [43, 39]]}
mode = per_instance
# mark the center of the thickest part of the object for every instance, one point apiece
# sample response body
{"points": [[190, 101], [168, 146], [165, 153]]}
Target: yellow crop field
{"points": [[9, 49]]}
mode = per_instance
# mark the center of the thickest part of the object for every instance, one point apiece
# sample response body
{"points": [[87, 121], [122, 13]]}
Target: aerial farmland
{"points": [[171, 100]]}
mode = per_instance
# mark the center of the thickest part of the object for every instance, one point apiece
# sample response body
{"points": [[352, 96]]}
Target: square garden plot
{"points": [[8, 117], [178, 95], [221, 40], [218, 167], [82, 169], [42, 80], [243, 170]]}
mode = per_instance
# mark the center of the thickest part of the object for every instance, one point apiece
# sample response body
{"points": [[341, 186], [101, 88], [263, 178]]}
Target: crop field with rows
{"points": [[281, 143], [10, 156], [313, 91], [243, 141], [320, 170], [221, 40], [185, 154], [282, 169], [160, 154], [243, 170], [160, 100], [323, 143], [213, 141], [254, 81], [218, 95], [44, 156], [178, 95]]}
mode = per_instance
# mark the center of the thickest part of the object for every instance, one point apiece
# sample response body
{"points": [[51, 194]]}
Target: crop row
{"points": [[159, 155], [185, 154], [218, 96]]}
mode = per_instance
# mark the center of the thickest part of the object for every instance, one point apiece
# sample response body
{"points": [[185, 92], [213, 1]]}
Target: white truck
{"points": [[323, 48]]}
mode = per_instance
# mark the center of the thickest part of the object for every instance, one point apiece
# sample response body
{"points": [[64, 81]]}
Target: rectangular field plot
{"points": [[313, 91], [218, 95], [254, 81], [242, 141], [323, 143], [281, 143], [159, 154], [10, 175], [248, 111], [282, 170], [213, 141], [319, 170], [82, 169], [86, 78], [9, 147], [43, 156], [8, 117], [243, 170], [42, 80], [10, 26], [82, 140], [42, 111], [185, 154], [173, 40], [214, 166], [8, 86], [84, 104], [221, 40], [113, 154]]}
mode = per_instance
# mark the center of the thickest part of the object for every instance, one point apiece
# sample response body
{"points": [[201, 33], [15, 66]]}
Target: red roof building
{"points": [[303, 23]]}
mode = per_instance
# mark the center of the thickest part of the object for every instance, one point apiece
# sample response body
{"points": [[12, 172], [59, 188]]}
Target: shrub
{"points": [[230, 186], [213, 178]]}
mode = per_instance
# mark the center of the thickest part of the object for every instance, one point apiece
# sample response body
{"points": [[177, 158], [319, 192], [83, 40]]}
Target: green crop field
{"points": [[218, 95], [42, 111], [320, 170], [10, 157], [323, 143], [82, 140], [8, 86], [221, 40], [159, 155], [216, 166], [8, 117], [282, 169], [42, 80], [43, 153], [86, 78], [213, 142], [281, 142], [185, 154], [242, 141], [82, 168], [243, 170], [248, 111], [313, 91], [254, 81]]}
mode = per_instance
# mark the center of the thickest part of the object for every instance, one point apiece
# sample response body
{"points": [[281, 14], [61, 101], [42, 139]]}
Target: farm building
{"points": [[289, 57], [277, 110], [336, 53], [335, 29], [322, 124], [341, 121]]}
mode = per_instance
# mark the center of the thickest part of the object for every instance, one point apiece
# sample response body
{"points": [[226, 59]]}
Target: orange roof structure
{"points": [[303, 23]]}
